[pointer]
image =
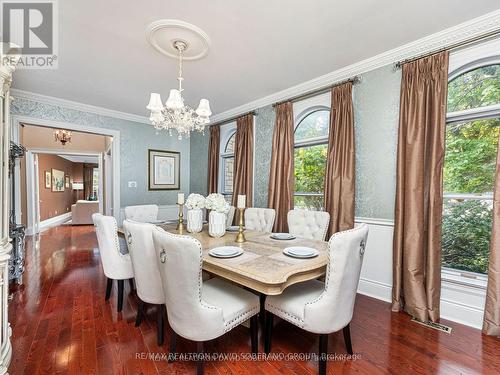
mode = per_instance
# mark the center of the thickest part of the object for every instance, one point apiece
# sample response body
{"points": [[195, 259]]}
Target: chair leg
{"points": [[140, 313], [262, 313], [199, 363], [131, 284], [159, 325], [120, 295], [173, 346], [347, 339], [109, 286], [269, 332], [254, 334], [323, 352]]}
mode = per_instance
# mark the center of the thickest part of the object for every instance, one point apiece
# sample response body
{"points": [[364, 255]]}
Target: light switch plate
{"points": [[132, 184]]}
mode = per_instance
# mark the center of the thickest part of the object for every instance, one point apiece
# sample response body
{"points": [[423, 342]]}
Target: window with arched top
{"points": [[311, 146], [227, 166], [472, 135]]}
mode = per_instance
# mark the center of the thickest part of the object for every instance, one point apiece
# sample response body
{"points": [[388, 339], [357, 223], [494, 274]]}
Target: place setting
{"points": [[282, 236], [225, 252], [300, 252]]}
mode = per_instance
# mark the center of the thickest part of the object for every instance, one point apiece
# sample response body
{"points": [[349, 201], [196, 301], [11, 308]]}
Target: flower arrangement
{"points": [[217, 203], [195, 201]]}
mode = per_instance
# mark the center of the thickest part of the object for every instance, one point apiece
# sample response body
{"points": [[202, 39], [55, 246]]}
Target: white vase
{"points": [[195, 220], [216, 224]]}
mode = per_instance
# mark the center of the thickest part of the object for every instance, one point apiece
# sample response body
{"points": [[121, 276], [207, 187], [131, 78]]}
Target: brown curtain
{"points": [[213, 159], [340, 172], [491, 324], [419, 191], [243, 159], [281, 177], [88, 180]]}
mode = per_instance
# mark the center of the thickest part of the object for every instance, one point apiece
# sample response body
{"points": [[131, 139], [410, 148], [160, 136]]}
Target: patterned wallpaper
{"points": [[198, 165], [135, 140], [376, 117], [376, 114], [264, 128]]}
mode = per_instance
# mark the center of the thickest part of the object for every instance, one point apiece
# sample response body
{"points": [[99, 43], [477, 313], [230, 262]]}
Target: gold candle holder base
{"points": [[180, 224], [240, 237]]}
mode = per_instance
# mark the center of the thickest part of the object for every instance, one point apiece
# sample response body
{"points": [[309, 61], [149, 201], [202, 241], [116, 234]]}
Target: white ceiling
{"points": [[258, 47], [80, 158]]}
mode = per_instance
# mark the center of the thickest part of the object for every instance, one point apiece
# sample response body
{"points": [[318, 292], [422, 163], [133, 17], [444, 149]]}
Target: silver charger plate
{"points": [[225, 251], [301, 252], [234, 228], [282, 236]]}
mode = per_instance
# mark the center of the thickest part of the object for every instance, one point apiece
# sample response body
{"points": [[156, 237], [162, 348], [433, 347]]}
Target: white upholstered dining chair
{"points": [[259, 219], [327, 307], [199, 310], [308, 224], [142, 213], [115, 261], [139, 237]]}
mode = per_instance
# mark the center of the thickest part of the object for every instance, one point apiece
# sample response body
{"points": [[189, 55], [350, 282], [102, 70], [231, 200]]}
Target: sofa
{"points": [[82, 211]]}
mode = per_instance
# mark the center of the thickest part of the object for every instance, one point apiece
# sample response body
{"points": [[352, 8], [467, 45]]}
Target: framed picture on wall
{"points": [[66, 182], [57, 180], [48, 180], [164, 170]]}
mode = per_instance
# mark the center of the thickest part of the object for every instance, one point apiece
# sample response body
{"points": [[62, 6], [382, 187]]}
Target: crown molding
{"points": [[50, 100], [474, 28]]}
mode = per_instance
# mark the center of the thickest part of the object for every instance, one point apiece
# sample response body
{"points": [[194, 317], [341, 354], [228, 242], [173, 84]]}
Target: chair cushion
{"points": [[290, 304], [308, 224], [237, 303]]}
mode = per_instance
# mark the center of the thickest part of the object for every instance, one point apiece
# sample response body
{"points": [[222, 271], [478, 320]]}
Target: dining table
{"points": [[262, 266]]}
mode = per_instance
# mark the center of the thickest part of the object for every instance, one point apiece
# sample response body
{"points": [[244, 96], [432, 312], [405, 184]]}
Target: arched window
{"points": [[311, 146], [472, 133], [227, 158]]}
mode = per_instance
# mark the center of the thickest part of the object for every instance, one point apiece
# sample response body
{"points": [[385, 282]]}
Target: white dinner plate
{"points": [[301, 252], [226, 251], [282, 236], [234, 228]]}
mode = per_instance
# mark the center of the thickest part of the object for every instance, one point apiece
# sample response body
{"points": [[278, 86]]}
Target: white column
{"points": [[5, 245]]}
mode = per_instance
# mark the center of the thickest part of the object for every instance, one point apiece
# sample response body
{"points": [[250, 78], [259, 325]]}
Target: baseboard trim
{"points": [[375, 289], [56, 220]]}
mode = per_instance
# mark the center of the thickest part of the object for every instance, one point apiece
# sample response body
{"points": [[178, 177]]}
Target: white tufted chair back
{"points": [[308, 224], [230, 216], [259, 219], [180, 262], [116, 266], [143, 214], [333, 309], [140, 244]]}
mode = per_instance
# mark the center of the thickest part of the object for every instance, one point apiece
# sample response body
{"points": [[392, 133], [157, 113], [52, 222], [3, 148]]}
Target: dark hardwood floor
{"points": [[62, 325]]}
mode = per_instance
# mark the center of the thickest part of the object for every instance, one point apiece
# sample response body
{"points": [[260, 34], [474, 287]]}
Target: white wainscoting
{"points": [[459, 303]]}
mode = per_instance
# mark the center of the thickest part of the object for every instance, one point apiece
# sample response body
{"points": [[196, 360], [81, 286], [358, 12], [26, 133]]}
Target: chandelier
{"points": [[175, 114], [63, 136]]}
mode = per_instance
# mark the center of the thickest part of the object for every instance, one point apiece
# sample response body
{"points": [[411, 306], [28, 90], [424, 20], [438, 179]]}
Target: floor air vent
{"points": [[438, 326]]}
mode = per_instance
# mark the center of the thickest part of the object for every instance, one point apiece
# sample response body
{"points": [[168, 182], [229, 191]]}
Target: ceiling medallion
{"points": [[185, 42]]}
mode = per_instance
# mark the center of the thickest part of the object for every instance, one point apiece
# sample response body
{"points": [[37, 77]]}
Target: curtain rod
{"points": [[233, 118], [463, 43], [321, 90]]}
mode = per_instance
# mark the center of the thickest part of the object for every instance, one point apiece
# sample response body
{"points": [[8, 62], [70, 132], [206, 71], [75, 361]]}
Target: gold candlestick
{"points": [[240, 237], [180, 225]]}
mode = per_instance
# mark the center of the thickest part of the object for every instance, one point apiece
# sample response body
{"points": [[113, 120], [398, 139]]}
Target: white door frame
{"points": [[115, 149]]}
